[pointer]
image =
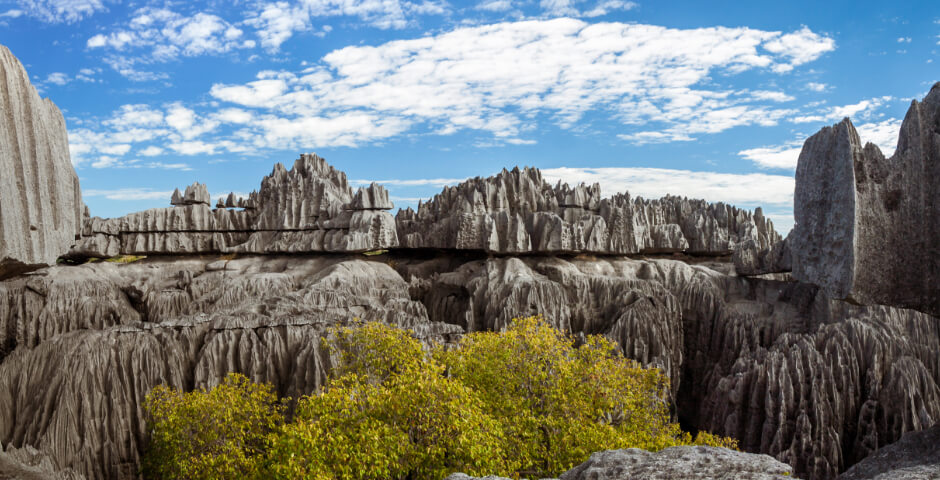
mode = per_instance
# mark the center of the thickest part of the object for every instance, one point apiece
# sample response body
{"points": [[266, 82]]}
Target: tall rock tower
{"points": [[40, 199]]}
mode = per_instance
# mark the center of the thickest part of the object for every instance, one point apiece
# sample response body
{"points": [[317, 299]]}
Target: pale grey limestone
{"points": [[698, 463], [818, 384], [518, 212], [195, 194], [868, 228], [309, 208], [40, 200], [916, 456]]}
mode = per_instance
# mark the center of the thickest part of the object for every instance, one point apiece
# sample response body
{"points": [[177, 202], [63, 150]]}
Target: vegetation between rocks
{"points": [[523, 402]]}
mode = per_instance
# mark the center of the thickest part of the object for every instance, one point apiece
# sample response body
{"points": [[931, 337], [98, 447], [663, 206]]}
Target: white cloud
{"points": [[59, 11], [57, 78], [496, 78], [904, 40], [652, 183], [12, 13], [167, 35], [495, 5], [862, 110], [416, 182], [817, 87], [151, 151], [606, 6], [783, 156], [275, 22], [801, 47], [884, 134], [128, 194], [502, 80]]}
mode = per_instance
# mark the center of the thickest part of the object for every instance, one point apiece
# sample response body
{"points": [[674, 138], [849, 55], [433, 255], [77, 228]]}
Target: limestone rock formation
{"points": [[518, 212], [310, 208], [196, 194], [749, 259], [40, 200], [30, 464], [816, 383], [67, 331], [700, 463], [868, 228], [916, 456]]}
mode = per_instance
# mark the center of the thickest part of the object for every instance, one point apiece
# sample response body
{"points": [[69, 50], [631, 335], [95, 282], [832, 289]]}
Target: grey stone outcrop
{"points": [[816, 383], [40, 200], [699, 463], [195, 194], [916, 456], [309, 208], [518, 212], [750, 259], [868, 228]]}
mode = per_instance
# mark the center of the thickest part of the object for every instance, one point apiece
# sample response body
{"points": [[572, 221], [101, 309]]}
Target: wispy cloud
{"points": [[58, 11], [128, 194], [501, 80], [275, 22], [883, 133], [167, 35]]}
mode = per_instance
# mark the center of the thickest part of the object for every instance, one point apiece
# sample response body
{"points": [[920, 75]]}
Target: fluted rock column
{"points": [[40, 199]]}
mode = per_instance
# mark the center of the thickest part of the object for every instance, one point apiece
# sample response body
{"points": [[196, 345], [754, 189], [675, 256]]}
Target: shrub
{"points": [[210, 434], [559, 403], [524, 401]]}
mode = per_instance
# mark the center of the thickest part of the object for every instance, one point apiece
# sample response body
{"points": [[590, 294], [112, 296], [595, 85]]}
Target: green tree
{"points": [[210, 434], [525, 401], [559, 403], [391, 413]]}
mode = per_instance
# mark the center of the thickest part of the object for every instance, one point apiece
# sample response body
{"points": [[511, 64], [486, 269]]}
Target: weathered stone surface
{"points": [[27, 463], [95, 339], [310, 208], [705, 463], [816, 383], [40, 200], [868, 228], [196, 194], [518, 212], [749, 259], [916, 456]]}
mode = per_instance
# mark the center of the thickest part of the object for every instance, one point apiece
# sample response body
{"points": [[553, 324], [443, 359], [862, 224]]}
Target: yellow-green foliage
{"points": [[215, 434], [558, 403], [525, 401], [125, 259], [391, 413]]}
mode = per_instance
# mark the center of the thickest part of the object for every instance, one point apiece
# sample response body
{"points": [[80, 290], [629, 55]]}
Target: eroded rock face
{"points": [[309, 208], [40, 200], [181, 322], [518, 212], [916, 456], [816, 383], [868, 228], [707, 463]]}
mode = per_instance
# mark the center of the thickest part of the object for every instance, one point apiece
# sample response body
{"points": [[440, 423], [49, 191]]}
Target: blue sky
{"points": [[703, 99]]}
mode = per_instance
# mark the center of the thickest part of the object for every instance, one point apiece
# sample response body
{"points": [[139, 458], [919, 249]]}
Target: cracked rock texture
{"points": [[309, 208], [868, 228], [816, 383], [40, 200], [706, 463], [518, 212], [915, 457]]}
